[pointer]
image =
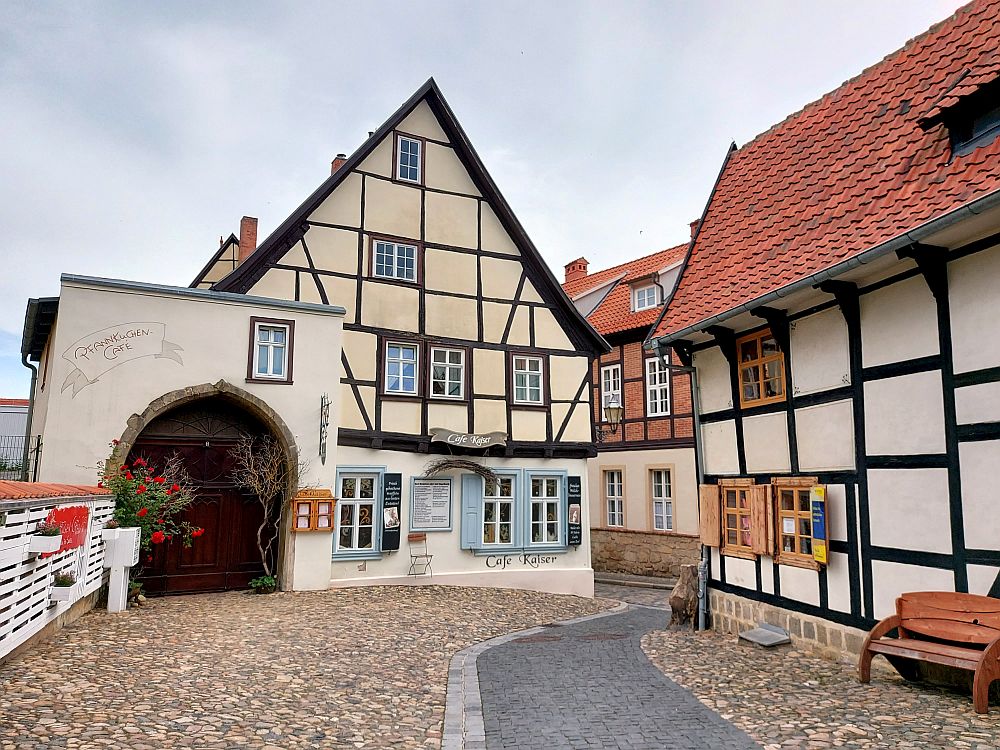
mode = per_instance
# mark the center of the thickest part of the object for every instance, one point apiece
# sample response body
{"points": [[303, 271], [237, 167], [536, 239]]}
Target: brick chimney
{"points": [[694, 227], [248, 237], [337, 163], [576, 269]]}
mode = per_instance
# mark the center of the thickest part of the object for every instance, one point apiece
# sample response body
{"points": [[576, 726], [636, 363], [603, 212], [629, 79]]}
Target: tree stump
{"points": [[684, 598]]}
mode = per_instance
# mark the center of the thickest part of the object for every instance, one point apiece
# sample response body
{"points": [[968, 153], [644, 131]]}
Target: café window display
{"points": [[545, 505], [498, 511], [356, 506], [516, 509]]}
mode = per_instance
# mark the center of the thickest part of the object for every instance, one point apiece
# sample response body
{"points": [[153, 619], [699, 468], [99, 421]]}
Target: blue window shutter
{"points": [[472, 502]]}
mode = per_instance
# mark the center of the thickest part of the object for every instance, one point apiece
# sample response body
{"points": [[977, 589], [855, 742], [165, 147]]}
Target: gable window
{"points": [[394, 260], [408, 155], [270, 350], [762, 369], [545, 505], [663, 504], [644, 297], [498, 511], [356, 513], [614, 498], [657, 388], [611, 385], [401, 361], [447, 373], [528, 380]]}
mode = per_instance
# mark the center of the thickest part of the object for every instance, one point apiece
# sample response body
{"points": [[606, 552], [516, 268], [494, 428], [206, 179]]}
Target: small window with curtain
{"points": [[762, 369], [270, 350], [736, 523]]}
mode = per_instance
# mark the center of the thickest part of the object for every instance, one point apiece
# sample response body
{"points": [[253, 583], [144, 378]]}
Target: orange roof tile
{"points": [[614, 313], [27, 490], [13, 402], [847, 173]]}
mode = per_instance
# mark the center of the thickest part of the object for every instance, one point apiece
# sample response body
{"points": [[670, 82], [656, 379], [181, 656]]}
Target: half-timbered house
{"points": [[643, 491], [458, 342], [838, 305]]}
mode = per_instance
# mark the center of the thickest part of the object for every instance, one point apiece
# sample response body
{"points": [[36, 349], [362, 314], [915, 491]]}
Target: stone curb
{"points": [[463, 715]]}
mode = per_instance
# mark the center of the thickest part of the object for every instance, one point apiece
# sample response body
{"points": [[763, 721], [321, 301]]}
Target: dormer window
{"points": [[969, 110], [409, 153], [644, 297], [979, 127]]}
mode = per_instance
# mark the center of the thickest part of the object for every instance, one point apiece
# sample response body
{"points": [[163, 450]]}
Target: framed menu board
{"points": [[430, 505]]}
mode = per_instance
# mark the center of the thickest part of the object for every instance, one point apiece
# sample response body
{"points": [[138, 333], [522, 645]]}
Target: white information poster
{"points": [[431, 505]]}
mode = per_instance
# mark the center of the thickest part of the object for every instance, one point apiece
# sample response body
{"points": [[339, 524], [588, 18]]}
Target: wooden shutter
{"points": [[472, 502], [761, 534], [709, 512]]}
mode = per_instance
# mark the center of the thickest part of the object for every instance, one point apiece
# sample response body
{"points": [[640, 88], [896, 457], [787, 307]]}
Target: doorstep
{"points": [[625, 579]]}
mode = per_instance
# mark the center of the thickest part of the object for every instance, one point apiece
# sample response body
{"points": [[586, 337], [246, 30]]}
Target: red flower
{"points": [[123, 467], [157, 537], [175, 487], [140, 462], [142, 512], [159, 480], [169, 537], [169, 492], [114, 442], [197, 532], [159, 520], [100, 484], [140, 489], [149, 558], [128, 475]]}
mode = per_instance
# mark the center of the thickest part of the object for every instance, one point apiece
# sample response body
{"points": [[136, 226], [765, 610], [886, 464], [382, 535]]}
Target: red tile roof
{"points": [[13, 402], [847, 173], [26, 490], [614, 313]]}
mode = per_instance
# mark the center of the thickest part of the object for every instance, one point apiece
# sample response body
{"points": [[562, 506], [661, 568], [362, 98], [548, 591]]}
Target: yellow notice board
{"points": [[817, 506]]}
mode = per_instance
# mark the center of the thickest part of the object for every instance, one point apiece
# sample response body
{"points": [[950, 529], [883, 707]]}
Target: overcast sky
{"points": [[133, 135]]}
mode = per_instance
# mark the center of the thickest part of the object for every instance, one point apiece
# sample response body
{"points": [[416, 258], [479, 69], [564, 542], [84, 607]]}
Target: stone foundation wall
{"points": [[642, 553], [732, 614]]}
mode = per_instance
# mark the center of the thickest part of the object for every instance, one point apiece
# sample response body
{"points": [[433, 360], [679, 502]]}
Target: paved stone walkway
{"points": [[349, 668], [647, 597], [589, 685]]}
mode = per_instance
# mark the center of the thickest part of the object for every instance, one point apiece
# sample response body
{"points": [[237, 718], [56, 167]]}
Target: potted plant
{"points": [[46, 539], [110, 530], [63, 583], [264, 585]]}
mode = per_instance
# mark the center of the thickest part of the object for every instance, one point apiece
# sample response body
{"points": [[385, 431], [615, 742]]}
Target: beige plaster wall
{"points": [[391, 208], [448, 271], [443, 170]]}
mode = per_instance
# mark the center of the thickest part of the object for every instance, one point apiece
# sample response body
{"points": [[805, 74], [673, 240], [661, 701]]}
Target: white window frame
{"points": [[528, 374], [401, 361], [647, 303], [498, 501], [356, 503], [400, 139], [662, 499], [448, 367], [391, 249], [657, 387], [611, 386], [271, 346], [614, 497], [544, 503]]}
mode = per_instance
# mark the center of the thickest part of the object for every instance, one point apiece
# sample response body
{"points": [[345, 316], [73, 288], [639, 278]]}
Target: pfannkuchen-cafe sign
{"points": [[96, 353]]}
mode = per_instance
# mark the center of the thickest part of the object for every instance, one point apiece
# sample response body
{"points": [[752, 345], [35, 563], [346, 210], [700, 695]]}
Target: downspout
{"points": [[31, 410]]}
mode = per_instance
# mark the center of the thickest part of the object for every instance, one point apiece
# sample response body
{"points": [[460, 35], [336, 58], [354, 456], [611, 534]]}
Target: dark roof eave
{"points": [[38, 319]]}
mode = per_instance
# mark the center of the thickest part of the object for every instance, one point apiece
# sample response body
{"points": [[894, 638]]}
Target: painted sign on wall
{"points": [[574, 494], [73, 522], [392, 495], [96, 353]]}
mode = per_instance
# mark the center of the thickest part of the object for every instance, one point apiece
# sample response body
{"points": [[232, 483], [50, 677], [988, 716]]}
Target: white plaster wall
{"points": [[975, 309], [740, 572], [825, 436], [904, 415], [800, 584], [898, 322], [820, 353], [714, 390], [767, 576], [978, 403], [719, 445], [981, 578], [838, 583], [765, 440], [889, 580], [978, 464], [714, 557], [570, 573], [836, 511], [909, 509]]}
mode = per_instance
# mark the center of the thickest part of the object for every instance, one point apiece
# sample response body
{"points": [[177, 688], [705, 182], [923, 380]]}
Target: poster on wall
{"points": [[817, 506], [574, 494], [430, 505], [392, 495]]}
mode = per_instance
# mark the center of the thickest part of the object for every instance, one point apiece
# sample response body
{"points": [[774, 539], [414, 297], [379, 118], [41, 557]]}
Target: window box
{"points": [[271, 350], [44, 545], [63, 593], [408, 159], [761, 369]]}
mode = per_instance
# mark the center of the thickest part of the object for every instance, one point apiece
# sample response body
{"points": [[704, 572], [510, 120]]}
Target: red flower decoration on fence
{"points": [[142, 512], [157, 537]]}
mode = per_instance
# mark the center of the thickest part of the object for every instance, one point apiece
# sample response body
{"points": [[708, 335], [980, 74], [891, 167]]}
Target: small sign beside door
{"points": [[574, 496], [392, 496]]}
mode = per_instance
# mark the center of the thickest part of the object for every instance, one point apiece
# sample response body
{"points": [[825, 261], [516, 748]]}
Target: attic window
{"points": [[975, 120], [644, 297], [408, 156]]}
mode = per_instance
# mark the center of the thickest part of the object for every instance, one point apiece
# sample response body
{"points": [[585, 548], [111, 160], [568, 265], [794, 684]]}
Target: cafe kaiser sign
{"points": [[468, 439], [96, 353]]}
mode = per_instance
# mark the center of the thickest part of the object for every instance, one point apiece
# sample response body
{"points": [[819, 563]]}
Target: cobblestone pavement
{"points": [[349, 668], [648, 597], [589, 685], [786, 699]]}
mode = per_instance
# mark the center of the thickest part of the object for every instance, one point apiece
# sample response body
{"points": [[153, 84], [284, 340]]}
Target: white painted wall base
{"points": [[578, 582]]}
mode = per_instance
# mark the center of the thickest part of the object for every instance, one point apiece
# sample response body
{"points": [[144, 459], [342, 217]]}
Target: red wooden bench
{"points": [[940, 627]]}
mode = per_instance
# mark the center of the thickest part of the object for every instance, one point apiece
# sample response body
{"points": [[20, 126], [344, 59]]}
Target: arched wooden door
{"points": [[226, 556]]}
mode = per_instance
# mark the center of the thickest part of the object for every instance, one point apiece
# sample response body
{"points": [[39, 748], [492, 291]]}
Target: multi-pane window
{"points": [[643, 298], [394, 260], [498, 511], [356, 512], [401, 368], [447, 373], [736, 520], [663, 504], [794, 522], [270, 351], [611, 385], [408, 159], [614, 498], [545, 503], [528, 380], [762, 373], [657, 388]]}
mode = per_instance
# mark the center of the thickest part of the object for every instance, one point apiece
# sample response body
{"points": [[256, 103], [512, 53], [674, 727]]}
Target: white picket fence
{"points": [[26, 578]]}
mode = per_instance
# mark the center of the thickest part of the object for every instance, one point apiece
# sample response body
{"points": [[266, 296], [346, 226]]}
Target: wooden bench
{"points": [[940, 627]]}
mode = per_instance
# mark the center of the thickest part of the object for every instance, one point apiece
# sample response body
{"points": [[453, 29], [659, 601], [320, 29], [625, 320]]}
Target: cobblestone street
{"points": [[348, 668]]}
